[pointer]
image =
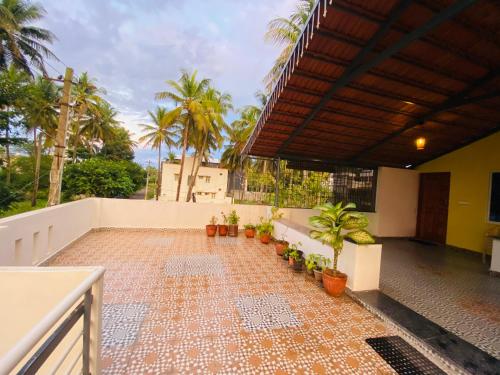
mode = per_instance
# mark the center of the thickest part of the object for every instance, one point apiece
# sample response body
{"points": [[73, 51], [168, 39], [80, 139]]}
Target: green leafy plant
{"points": [[233, 218], [295, 253], [332, 224], [213, 220], [312, 261], [286, 253], [249, 226], [265, 227], [323, 263]]}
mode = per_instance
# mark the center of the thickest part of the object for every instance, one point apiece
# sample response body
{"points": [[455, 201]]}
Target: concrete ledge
{"points": [[361, 263]]}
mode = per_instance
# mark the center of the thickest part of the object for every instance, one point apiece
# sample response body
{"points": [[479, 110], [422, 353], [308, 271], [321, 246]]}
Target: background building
{"points": [[210, 185]]}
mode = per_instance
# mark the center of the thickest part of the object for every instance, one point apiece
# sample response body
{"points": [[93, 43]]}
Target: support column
{"points": [[277, 183]]}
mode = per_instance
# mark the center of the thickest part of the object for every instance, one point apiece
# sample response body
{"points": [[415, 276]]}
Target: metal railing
{"points": [[82, 297]]}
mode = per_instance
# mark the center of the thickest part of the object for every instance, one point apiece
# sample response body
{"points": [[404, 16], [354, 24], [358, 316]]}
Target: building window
{"points": [[213, 195]]}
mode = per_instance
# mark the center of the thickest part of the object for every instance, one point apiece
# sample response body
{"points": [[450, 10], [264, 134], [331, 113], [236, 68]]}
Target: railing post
{"points": [[277, 184], [87, 303]]}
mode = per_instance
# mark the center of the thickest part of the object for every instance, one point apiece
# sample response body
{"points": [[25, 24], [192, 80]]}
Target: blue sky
{"points": [[131, 47]]}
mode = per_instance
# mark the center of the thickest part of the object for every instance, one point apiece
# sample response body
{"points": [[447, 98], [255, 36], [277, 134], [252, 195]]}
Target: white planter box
{"points": [[361, 263]]}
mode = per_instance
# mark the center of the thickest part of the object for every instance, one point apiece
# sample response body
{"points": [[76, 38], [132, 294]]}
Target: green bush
{"points": [[136, 173], [100, 178], [7, 197], [23, 168]]}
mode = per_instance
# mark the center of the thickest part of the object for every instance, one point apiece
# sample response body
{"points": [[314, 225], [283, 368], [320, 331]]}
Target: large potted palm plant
{"points": [[334, 224]]}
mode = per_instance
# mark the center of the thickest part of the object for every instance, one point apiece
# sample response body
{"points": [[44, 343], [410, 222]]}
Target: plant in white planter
{"points": [[333, 224]]}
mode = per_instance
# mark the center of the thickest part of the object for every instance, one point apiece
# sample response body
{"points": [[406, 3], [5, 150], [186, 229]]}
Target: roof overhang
{"points": [[366, 78]]}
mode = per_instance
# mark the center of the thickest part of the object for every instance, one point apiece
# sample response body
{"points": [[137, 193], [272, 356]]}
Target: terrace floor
{"points": [[178, 302], [449, 287]]}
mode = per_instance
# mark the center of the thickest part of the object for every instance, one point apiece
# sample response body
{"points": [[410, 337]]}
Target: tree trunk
{"points": [[38, 156], [158, 175], [7, 154], [183, 157], [76, 140], [264, 170], [193, 177]]}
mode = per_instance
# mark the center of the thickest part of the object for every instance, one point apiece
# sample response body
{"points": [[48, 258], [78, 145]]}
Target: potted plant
{"points": [[323, 263], [265, 230], [249, 230], [212, 227], [233, 220], [223, 228], [295, 258], [312, 263], [286, 253], [280, 246], [333, 224]]}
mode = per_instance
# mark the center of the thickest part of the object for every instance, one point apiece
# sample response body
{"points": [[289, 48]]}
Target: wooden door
{"points": [[432, 217]]}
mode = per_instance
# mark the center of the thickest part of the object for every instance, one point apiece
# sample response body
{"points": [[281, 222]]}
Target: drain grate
{"points": [[402, 357]]}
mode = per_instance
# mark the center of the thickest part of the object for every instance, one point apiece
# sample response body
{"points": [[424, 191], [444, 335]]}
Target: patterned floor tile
{"points": [[203, 305]]}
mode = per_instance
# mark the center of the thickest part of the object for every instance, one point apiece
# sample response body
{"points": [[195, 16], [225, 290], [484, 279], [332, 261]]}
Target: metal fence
{"points": [[302, 188]]}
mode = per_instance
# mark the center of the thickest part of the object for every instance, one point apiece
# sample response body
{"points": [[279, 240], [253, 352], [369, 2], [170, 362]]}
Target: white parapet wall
{"points": [[126, 213], [31, 238], [361, 263]]}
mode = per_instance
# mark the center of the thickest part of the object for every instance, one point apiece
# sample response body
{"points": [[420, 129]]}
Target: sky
{"points": [[132, 47]]}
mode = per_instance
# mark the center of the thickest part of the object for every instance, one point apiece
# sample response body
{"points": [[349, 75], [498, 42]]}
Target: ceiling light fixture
{"points": [[420, 143]]}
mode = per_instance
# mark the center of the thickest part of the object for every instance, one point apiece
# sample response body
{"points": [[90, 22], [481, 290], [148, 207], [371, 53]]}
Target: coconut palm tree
{"points": [[86, 98], [41, 116], [162, 130], [216, 106], [284, 32], [187, 95], [13, 89], [22, 43], [101, 124]]}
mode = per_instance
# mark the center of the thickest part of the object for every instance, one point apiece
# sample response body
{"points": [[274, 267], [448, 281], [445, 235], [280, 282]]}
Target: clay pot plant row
{"points": [[229, 226], [333, 225]]}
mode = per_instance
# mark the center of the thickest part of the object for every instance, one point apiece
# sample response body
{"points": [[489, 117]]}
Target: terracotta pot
{"points": [[223, 229], [290, 261], [318, 275], [265, 238], [297, 265], [233, 230], [280, 247], [211, 230], [334, 283], [250, 233]]}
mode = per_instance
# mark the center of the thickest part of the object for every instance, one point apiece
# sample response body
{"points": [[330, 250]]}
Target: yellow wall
{"points": [[470, 169]]}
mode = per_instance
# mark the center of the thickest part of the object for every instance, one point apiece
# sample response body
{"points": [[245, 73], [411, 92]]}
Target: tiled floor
{"points": [[177, 302], [451, 288]]}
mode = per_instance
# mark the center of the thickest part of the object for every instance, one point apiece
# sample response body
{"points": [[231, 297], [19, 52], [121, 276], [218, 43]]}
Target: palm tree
{"points": [[13, 88], [101, 124], [22, 44], [41, 116], [284, 32], [216, 106], [189, 112], [85, 99], [162, 130]]}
